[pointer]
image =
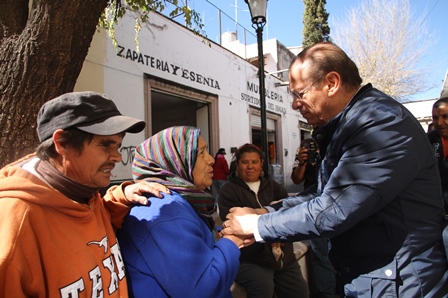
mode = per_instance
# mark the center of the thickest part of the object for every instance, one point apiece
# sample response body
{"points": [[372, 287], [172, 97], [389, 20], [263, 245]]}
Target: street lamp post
{"points": [[258, 13]]}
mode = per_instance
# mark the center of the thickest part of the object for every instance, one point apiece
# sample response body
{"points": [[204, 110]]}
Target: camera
{"points": [[312, 153], [311, 145]]}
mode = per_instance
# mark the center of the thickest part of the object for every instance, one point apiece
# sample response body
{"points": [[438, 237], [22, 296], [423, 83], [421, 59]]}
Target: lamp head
{"points": [[258, 10]]}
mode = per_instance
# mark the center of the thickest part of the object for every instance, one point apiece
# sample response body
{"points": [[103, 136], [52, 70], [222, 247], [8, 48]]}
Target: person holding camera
{"points": [[304, 168], [322, 281]]}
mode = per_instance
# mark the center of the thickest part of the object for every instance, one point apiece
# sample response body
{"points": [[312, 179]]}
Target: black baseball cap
{"points": [[87, 111]]}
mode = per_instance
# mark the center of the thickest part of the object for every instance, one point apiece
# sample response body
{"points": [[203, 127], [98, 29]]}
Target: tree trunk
{"points": [[43, 45]]}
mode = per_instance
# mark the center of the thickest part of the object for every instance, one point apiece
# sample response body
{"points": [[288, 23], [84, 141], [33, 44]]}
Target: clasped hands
{"points": [[242, 222]]}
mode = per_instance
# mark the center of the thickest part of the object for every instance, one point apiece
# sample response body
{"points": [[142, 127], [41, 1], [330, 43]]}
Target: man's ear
{"points": [[60, 149], [333, 83]]}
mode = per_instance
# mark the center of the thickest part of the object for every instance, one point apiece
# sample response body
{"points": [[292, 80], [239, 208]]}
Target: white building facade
{"points": [[179, 78]]}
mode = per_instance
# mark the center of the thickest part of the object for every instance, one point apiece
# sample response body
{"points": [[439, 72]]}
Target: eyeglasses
{"points": [[300, 94]]}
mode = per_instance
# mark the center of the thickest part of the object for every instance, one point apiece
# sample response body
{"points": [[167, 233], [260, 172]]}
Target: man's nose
{"points": [[115, 155], [296, 104]]}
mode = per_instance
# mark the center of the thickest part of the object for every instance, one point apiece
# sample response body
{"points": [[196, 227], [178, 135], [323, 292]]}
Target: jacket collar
{"points": [[323, 134]]}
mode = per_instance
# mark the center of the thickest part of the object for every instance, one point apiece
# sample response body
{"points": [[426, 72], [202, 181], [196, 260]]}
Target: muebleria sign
{"points": [[270, 95]]}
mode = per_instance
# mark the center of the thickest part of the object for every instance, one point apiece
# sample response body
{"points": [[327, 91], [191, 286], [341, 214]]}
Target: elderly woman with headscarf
{"points": [[170, 247]]}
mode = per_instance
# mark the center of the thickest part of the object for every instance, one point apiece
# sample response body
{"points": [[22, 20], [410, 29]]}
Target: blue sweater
{"points": [[169, 251]]}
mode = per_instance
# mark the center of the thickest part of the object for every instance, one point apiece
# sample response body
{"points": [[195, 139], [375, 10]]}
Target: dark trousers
{"points": [[445, 221], [445, 237], [323, 278], [217, 186], [261, 282]]}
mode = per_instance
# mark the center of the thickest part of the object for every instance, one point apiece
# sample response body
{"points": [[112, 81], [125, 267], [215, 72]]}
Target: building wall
{"points": [[284, 60], [170, 52], [422, 110]]}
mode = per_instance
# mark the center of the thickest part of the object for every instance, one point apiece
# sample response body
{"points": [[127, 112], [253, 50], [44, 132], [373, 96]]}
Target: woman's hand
{"points": [[260, 211], [240, 221], [240, 241], [277, 250]]}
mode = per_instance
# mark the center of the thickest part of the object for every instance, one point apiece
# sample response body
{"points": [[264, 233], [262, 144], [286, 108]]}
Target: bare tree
{"points": [[387, 42]]}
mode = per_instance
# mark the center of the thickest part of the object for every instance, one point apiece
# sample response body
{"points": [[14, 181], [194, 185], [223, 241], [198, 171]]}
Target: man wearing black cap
{"points": [[58, 233]]}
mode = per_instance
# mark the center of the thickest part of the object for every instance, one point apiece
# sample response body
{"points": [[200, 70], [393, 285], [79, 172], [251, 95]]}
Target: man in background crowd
{"points": [[438, 138], [220, 172]]}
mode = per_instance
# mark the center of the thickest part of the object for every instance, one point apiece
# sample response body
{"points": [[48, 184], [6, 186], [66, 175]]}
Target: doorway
{"points": [[171, 104]]}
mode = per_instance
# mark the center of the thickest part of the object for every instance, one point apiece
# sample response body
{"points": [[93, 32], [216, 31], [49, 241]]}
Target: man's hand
{"points": [[303, 156], [134, 192], [241, 222]]}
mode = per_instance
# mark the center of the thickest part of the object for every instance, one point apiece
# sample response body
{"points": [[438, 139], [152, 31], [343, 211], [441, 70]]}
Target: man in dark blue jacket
{"points": [[378, 196]]}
